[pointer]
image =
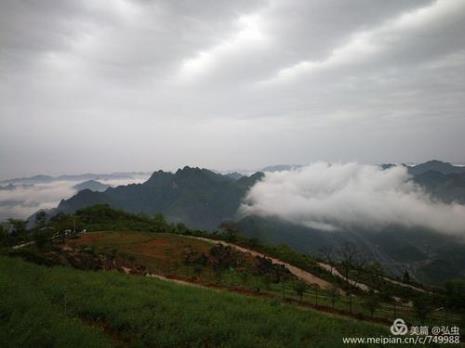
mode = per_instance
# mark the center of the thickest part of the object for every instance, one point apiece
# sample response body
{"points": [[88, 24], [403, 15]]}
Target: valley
{"points": [[205, 247]]}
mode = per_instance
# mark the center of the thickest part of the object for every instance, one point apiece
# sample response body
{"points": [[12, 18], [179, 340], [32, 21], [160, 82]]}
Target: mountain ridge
{"points": [[196, 197]]}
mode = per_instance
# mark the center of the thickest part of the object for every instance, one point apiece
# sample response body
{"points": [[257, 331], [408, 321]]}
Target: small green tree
{"points": [[333, 293], [230, 231], [300, 288], [316, 287], [181, 228], [159, 223], [328, 255], [371, 302], [375, 273], [406, 277]]}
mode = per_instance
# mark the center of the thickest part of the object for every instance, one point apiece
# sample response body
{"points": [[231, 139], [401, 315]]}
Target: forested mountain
{"points": [[436, 166], [196, 197], [445, 187]]}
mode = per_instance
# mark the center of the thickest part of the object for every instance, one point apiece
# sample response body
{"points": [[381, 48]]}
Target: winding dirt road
{"points": [[336, 273], [305, 276]]}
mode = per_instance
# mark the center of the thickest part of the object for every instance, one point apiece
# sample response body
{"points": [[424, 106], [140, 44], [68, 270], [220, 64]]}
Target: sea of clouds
{"points": [[25, 200], [336, 196]]}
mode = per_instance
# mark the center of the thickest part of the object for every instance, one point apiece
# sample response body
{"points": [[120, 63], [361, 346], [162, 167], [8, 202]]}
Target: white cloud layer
{"points": [[23, 201], [333, 196]]}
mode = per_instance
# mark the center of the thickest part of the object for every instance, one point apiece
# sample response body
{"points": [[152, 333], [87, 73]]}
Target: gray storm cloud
{"points": [[366, 80], [332, 196]]}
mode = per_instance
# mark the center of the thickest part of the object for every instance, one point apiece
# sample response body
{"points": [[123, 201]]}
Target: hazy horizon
{"points": [[223, 171]]}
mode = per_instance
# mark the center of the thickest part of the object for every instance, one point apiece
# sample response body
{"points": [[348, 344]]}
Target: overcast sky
{"points": [[119, 85]]}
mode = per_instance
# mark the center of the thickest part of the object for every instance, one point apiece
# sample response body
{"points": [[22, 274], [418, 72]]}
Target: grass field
{"points": [[58, 307]]}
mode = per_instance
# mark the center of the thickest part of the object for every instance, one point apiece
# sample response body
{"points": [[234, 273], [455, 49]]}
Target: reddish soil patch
{"points": [[159, 252], [88, 238]]}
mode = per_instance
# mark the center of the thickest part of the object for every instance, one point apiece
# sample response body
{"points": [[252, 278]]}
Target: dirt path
{"points": [[177, 281], [305, 276], [336, 273], [405, 285], [362, 286], [19, 246]]}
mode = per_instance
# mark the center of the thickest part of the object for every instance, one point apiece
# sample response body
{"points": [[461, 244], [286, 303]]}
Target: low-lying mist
{"points": [[24, 200], [337, 196]]}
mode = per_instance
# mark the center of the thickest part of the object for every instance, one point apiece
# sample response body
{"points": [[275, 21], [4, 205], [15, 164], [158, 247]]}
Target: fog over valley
{"points": [[20, 200], [330, 196]]}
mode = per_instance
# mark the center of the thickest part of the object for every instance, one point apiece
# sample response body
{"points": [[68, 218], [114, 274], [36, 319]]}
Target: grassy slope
{"points": [[162, 253], [142, 311]]}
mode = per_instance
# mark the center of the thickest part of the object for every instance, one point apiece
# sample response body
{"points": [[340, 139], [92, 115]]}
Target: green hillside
{"points": [[186, 289], [58, 307]]}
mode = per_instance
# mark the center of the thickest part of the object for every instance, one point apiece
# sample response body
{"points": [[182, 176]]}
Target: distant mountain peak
{"points": [[158, 176], [437, 166], [188, 170], [198, 197], [92, 185]]}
